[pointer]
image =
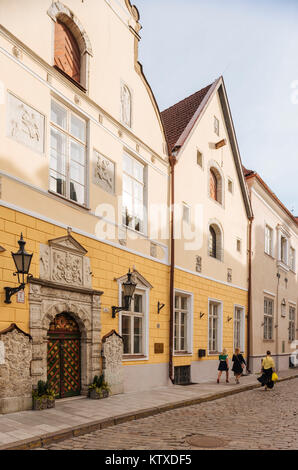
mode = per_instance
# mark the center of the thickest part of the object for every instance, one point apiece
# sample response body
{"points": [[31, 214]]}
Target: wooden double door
{"points": [[64, 356]]}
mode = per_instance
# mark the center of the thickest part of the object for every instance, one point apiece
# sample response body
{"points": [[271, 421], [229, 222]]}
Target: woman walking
{"points": [[238, 364], [223, 365], [268, 367]]}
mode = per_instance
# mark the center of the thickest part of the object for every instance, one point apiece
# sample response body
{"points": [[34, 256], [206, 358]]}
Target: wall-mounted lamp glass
{"points": [[22, 261], [128, 290]]}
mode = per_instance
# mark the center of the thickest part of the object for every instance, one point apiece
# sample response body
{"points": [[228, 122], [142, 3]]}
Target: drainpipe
{"points": [[249, 303], [173, 161]]}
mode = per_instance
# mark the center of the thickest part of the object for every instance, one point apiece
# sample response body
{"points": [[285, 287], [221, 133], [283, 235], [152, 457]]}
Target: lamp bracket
{"points": [[10, 291], [160, 306]]}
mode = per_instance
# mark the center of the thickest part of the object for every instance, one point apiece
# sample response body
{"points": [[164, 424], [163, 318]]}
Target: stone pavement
{"points": [[80, 415]]}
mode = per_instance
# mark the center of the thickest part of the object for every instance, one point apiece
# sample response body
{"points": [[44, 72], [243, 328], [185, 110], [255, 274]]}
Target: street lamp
{"points": [[22, 261], [128, 290]]}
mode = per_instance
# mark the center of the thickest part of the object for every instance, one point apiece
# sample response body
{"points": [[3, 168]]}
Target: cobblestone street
{"points": [[250, 420]]}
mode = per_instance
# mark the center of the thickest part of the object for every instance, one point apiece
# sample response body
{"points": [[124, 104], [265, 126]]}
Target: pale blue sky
{"points": [[187, 44]]}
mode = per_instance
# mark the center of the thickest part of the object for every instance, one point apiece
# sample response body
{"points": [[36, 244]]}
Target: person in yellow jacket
{"points": [[268, 367]]}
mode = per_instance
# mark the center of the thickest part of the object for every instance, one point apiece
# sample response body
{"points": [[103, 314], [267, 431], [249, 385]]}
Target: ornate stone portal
{"points": [[112, 351], [65, 286]]}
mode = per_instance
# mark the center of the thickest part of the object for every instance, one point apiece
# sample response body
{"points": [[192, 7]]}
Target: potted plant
{"points": [[42, 396], [99, 388]]}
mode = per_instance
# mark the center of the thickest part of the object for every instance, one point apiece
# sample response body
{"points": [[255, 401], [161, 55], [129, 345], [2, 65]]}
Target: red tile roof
{"points": [[176, 118]]}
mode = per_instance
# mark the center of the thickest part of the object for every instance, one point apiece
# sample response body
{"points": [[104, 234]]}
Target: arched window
{"points": [[67, 56], [72, 47], [215, 245], [215, 185]]}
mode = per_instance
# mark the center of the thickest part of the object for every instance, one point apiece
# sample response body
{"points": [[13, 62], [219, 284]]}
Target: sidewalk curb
{"points": [[51, 438]]}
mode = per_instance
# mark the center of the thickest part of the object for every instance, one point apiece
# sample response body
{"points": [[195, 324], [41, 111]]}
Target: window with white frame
{"points": [[292, 259], [268, 240], [133, 212], [284, 249], [200, 158], [185, 213], [68, 154], [133, 325], [268, 318], [214, 327], [181, 322], [292, 323], [239, 328]]}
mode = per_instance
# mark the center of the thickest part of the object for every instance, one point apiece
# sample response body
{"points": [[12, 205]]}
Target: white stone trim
{"points": [[269, 293]]}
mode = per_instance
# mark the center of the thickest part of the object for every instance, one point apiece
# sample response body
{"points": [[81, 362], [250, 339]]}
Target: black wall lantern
{"points": [[128, 290], [22, 261]]}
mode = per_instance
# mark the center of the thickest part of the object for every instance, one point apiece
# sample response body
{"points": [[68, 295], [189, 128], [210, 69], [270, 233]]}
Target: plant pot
{"points": [[39, 403], [51, 403], [94, 395]]}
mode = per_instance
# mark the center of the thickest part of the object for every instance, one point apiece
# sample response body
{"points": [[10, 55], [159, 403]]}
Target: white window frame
{"points": [[144, 184], [219, 327], [186, 210], [292, 323], [268, 229], [189, 326], [292, 259], [144, 356], [67, 133], [242, 327], [266, 315]]}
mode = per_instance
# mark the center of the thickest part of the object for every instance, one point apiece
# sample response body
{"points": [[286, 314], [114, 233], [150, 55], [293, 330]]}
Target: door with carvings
{"points": [[64, 356]]}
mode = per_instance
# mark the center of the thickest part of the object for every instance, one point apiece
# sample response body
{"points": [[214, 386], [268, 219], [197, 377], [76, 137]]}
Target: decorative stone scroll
{"points": [[15, 370], [104, 173], [112, 351], [25, 124], [63, 261]]}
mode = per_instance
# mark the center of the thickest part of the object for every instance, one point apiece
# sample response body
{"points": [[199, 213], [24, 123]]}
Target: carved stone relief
{"points": [[25, 124], [112, 351], [64, 261], [125, 105], [104, 173]]}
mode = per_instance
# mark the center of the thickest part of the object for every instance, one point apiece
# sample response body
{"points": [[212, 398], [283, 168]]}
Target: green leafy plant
{"points": [[43, 391], [99, 385]]}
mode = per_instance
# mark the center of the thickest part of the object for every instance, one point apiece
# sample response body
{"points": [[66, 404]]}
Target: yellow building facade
{"points": [[86, 178]]}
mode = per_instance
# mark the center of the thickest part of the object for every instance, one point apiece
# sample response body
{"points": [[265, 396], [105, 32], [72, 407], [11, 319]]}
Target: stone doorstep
{"points": [[57, 436]]}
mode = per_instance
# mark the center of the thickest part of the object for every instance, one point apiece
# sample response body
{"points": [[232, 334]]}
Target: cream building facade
{"points": [[274, 290]]}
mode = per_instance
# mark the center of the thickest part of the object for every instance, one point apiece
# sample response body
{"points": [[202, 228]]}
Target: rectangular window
{"points": [[199, 158], [186, 213], [268, 318], [133, 214], [68, 154], [292, 323], [239, 328], [132, 326], [268, 240], [292, 259], [230, 185], [180, 323], [239, 245], [284, 250], [214, 325]]}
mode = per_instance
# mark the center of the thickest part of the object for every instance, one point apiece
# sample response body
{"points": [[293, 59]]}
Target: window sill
{"points": [[268, 341], [182, 353], [74, 82], [269, 256], [134, 357], [142, 234], [69, 201]]}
